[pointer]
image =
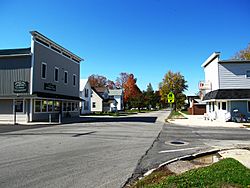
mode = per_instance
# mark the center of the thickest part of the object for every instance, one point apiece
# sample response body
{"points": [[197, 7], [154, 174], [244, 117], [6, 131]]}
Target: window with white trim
{"points": [[56, 74], [43, 70], [218, 105], [93, 105], [66, 77], [224, 105]]}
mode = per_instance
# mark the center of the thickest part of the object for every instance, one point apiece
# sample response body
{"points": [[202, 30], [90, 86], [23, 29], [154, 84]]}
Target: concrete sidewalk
{"points": [[242, 155], [198, 120]]}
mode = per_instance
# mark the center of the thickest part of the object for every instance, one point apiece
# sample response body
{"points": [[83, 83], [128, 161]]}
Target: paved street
{"points": [[195, 139], [102, 154]]}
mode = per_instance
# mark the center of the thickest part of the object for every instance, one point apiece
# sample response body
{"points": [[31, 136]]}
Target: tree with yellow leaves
{"points": [[176, 83]]}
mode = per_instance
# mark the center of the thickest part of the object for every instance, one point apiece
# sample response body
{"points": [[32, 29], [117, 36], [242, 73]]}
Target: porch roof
{"points": [[228, 94]]}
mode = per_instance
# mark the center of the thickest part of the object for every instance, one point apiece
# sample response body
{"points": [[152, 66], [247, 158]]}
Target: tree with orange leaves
{"points": [[131, 92]]}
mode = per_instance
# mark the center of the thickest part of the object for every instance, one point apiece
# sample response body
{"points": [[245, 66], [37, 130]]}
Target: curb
{"points": [[192, 156]]}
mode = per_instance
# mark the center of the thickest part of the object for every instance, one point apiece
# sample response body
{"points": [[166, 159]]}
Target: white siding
{"points": [[233, 75], [87, 100], [212, 74], [98, 102]]}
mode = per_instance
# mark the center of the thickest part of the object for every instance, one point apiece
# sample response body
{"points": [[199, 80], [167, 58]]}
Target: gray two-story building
{"points": [[39, 82]]}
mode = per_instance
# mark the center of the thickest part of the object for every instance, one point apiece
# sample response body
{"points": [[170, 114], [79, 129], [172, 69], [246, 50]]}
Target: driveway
{"points": [[101, 154]]}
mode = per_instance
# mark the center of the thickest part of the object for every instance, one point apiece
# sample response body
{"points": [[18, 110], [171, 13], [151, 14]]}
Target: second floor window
{"points": [[43, 70], [56, 74], [74, 80], [86, 92], [65, 77]]}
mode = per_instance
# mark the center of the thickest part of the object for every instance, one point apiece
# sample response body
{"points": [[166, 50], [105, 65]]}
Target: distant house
{"points": [[118, 96], [100, 99], [226, 87], [196, 105], [85, 95], [40, 82]]}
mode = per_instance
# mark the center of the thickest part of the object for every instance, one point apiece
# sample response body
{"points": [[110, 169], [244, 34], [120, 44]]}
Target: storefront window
{"points": [[37, 106], [50, 106], [19, 106], [56, 106], [77, 106], [44, 106], [64, 106], [69, 106]]}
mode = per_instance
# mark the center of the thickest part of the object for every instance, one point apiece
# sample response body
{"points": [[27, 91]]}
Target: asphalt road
{"points": [[193, 140], [101, 154]]}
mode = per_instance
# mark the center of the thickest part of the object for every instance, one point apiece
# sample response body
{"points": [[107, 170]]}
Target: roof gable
{"points": [[83, 83]]}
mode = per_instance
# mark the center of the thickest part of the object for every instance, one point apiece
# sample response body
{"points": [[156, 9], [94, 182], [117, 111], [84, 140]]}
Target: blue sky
{"points": [[143, 37]]}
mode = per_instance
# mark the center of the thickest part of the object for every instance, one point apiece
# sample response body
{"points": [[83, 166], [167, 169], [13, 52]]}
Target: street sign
{"points": [[170, 97], [170, 100]]}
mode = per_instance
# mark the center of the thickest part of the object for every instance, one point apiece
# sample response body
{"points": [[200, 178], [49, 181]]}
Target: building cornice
{"points": [[41, 38]]}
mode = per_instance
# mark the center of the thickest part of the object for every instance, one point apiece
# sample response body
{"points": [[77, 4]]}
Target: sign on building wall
{"points": [[49, 86], [21, 87], [205, 85]]}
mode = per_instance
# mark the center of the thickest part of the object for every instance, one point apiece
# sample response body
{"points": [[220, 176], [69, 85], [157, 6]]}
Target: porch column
{"points": [[31, 110]]}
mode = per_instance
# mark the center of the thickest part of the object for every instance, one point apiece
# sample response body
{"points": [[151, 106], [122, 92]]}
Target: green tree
{"points": [[176, 83], [243, 54], [149, 97]]}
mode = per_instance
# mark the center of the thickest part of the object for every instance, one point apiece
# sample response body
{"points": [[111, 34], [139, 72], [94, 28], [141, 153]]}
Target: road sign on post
{"points": [[170, 97]]}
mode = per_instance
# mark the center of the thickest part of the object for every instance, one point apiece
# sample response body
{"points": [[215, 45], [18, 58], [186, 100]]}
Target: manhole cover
{"points": [[177, 143]]}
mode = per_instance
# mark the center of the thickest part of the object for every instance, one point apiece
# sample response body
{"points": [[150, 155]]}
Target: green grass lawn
{"points": [[227, 173]]}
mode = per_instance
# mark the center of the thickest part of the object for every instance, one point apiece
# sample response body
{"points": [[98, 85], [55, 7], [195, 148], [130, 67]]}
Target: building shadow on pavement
{"points": [[84, 119], [109, 119]]}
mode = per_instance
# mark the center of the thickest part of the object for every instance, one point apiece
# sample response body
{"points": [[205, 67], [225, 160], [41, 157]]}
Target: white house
{"points": [[100, 100], [96, 101], [85, 95], [118, 96], [226, 88]]}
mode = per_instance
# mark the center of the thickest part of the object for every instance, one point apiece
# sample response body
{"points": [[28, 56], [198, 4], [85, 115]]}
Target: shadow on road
{"points": [[109, 119], [85, 119]]}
